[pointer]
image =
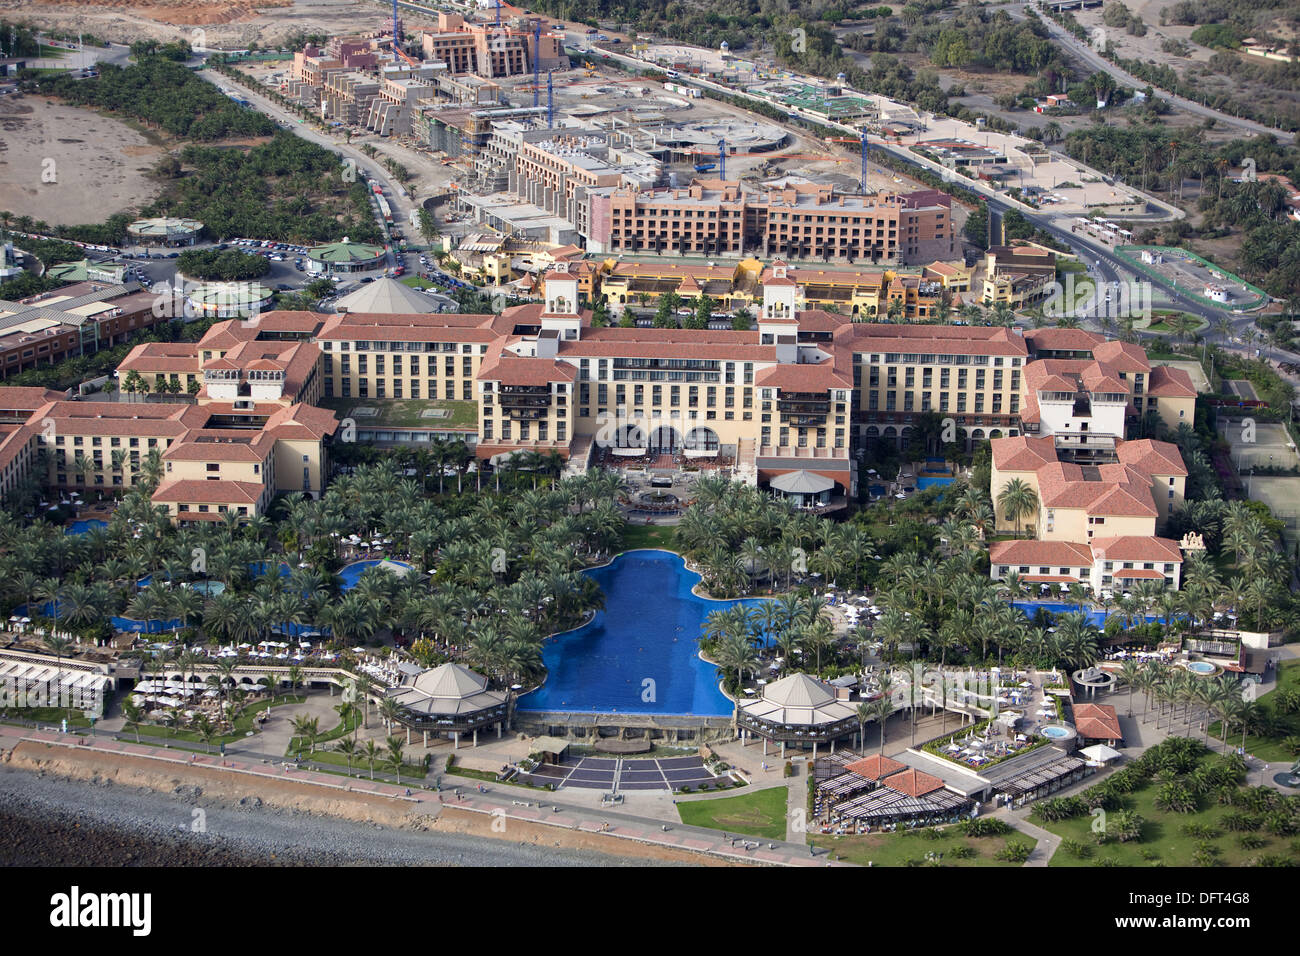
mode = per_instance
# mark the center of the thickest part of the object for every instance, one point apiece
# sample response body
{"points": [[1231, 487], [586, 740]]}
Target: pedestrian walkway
{"points": [[474, 799]]}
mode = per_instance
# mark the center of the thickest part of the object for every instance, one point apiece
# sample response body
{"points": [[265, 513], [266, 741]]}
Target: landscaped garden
{"points": [[972, 843], [761, 813], [1176, 805]]}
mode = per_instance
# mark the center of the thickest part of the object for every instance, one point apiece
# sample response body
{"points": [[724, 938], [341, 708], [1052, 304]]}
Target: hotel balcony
{"points": [[801, 420], [840, 455]]}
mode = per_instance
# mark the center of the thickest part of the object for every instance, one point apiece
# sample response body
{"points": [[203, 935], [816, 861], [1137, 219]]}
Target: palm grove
{"points": [[494, 572]]}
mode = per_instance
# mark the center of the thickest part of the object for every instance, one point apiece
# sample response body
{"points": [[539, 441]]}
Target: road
{"points": [[1096, 61], [402, 207], [1106, 265]]}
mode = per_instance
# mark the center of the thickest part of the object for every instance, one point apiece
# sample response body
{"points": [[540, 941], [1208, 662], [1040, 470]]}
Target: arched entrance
{"points": [[701, 438], [665, 439]]}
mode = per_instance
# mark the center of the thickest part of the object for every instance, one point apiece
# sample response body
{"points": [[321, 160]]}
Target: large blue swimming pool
{"points": [[647, 631], [1095, 617]]}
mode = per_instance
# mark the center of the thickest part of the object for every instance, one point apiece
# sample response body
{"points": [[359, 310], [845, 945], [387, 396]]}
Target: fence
{"points": [[1131, 256]]}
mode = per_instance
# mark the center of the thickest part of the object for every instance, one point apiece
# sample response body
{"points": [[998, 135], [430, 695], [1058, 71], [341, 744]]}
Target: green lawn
{"points": [[47, 715], [1163, 839], [648, 536], [760, 814], [1270, 749], [406, 412], [300, 744], [410, 771], [909, 847], [243, 723], [415, 282]]}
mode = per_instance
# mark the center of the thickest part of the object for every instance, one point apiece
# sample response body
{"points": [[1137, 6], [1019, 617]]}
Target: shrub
{"points": [[988, 826], [1014, 852], [1202, 831], [1176, 797], [1058, 808], [962, 852], [1281, 822], [1249, 841], [1239, 822], [1076, 849], [1124, 825]]}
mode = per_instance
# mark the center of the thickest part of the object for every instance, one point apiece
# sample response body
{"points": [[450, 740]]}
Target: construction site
{"points": [[515, 133]]}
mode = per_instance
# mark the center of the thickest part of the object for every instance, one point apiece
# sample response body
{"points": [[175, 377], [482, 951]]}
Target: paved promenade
{"points": [[491, 800]]}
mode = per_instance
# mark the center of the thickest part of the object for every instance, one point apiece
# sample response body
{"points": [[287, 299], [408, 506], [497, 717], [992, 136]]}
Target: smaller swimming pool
{"points": [[84, 526], [1201, 667], [1056, 733], [351, 574]]}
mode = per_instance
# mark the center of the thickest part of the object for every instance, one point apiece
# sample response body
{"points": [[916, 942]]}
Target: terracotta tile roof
{"points": [[226, 335], [1152, 457], [1148, 574], [1066, 485], [912, 782], [1137, 548], [875, 767], [126, 419], [1097, 721], [417, 327], [302, 422], [26, 397], [1099, 377], [1061, 554], [198, 491], [282, 320], [1125, 501], [1022, 453], [1063, 340], [516, 370], [1123, 356], [221, 444], [942, 339], [1168, 382], [803, 377]]}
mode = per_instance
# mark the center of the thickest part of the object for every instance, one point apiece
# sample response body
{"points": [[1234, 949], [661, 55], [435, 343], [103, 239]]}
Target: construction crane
{"points": [[550, 101], [537, 61], [860, 141], [397, 46]]}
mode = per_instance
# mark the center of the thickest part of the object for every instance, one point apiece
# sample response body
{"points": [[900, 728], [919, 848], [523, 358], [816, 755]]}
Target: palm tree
{"points": [[394, 758], [59, 645], [865, 711], [881, 709], [134, 715], [1130, 673], [348, 748], [372, 754], [1018, 500], [306, 729]]}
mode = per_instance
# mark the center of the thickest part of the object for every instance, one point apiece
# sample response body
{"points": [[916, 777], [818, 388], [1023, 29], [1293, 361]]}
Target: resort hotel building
{"points": [[785, 405], [1099, 502]]}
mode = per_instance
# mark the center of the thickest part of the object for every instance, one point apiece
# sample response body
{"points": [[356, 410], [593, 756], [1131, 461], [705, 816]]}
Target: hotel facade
{"points": [[801, 392]]}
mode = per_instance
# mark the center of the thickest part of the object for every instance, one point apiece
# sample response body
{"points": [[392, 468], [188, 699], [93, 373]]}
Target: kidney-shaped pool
{"points": [[640, 654]]}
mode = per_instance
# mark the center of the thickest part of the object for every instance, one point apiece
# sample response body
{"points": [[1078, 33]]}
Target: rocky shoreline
{"points": [[53, 815]]}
